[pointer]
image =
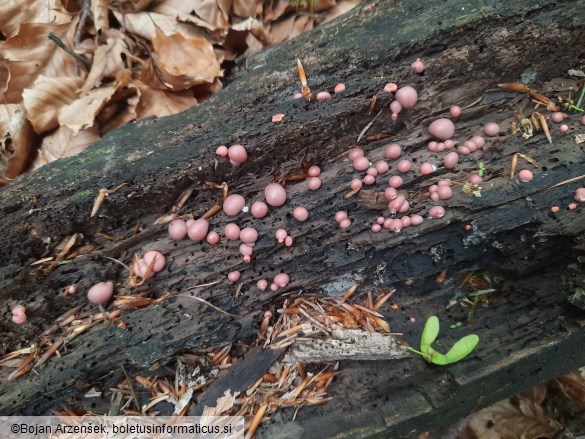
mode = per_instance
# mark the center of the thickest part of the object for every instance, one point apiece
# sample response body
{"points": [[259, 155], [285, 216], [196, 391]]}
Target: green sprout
{"points": [[459, 351], [482, 169]]}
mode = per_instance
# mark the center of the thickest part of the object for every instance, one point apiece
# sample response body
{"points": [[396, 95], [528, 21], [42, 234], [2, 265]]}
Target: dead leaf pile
{"points": [[73, 70]]}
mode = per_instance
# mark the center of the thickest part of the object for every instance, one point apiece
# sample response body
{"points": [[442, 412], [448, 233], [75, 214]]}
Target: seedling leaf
{"points": [[429, 334], [462, 348]]}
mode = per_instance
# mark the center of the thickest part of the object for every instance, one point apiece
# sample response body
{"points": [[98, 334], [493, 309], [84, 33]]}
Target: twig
{"points": [[368, 126], [80, 58], [131, 388]]}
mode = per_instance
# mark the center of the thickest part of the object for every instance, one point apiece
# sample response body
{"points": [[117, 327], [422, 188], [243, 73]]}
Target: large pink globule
{"points": [[442, 129], [407, 96], [233, 204], [275, 195]]}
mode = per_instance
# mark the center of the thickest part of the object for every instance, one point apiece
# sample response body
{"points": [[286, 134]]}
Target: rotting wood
{"points": [[528, 332], [351, 344]]}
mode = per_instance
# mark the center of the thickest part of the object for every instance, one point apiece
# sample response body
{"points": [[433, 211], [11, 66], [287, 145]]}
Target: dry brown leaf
{"points": [[517, 417], [214, 12], [160, 103], [247, 8], [144, 25], [290, 27], [99, 11], [107, 60], [64, 143], [342, 7], [182, 11], [180, 63], [81, 113], [30, 54], [121, 108], [13, 14], [47, 97], [16, 140], [276, 10], [573, 386], [133, 5]]}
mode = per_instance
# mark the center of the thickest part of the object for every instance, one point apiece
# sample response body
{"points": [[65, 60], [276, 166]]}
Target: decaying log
{"points": [[528, 331]]}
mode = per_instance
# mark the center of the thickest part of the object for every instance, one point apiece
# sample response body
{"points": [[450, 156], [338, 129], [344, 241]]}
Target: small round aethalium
{"points": [[233, 204], [275, 195], [100, 293]]}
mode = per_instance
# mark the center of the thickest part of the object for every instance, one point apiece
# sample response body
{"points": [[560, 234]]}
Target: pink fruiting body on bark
{"points": [[442, 129], [557, 117], [277, 117], [314, 183], [580, 195], [450, 160], [356, 184], [19, 314], [382, 167], [426, 168], [491, 129], [479, 141], [449, 144], [470, 145], [463, 150], [407, 96], [246, 250], [417, 66], [380, 220], [395, 181], [369, 180], [314, 171], [233, 204], [406, 221], [281, 235], [249, 234], [345, 223], [354, 153], [159, 260], [339, 88], [340, 216], [437, 212], [455, 111], [198, 230], [404, 166], [281, 280], [475, 179], [390, 193], [300, 214], [361, 164], [177, 229], [434, 196], [393, 151], [432, 146], [564, 128], [275, 195], [525, 175], [376, 228], [323, 96], [416, 220], [372, 171], [444, 192], [232, 231], [222, 151], [237, 153], [262, 284], [233, 276], [259, 209], [288, 241], [395, 107], [141, 268], [212, 238], [441, 147], [390, 87], [100, 293]]}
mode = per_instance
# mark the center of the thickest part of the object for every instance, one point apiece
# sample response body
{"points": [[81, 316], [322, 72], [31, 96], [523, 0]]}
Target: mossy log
{"points": [[528, 331]]}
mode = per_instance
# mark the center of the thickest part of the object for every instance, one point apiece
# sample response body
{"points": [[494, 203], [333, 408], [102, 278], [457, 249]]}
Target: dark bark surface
{"points": [[528, 332]]}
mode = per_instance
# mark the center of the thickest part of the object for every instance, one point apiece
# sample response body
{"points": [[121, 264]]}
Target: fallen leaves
{"points": [[108, 63]]}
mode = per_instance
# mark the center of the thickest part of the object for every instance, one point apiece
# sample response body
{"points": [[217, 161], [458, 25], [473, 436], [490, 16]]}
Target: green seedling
{"points": [[482, 169], [458, 352]]}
